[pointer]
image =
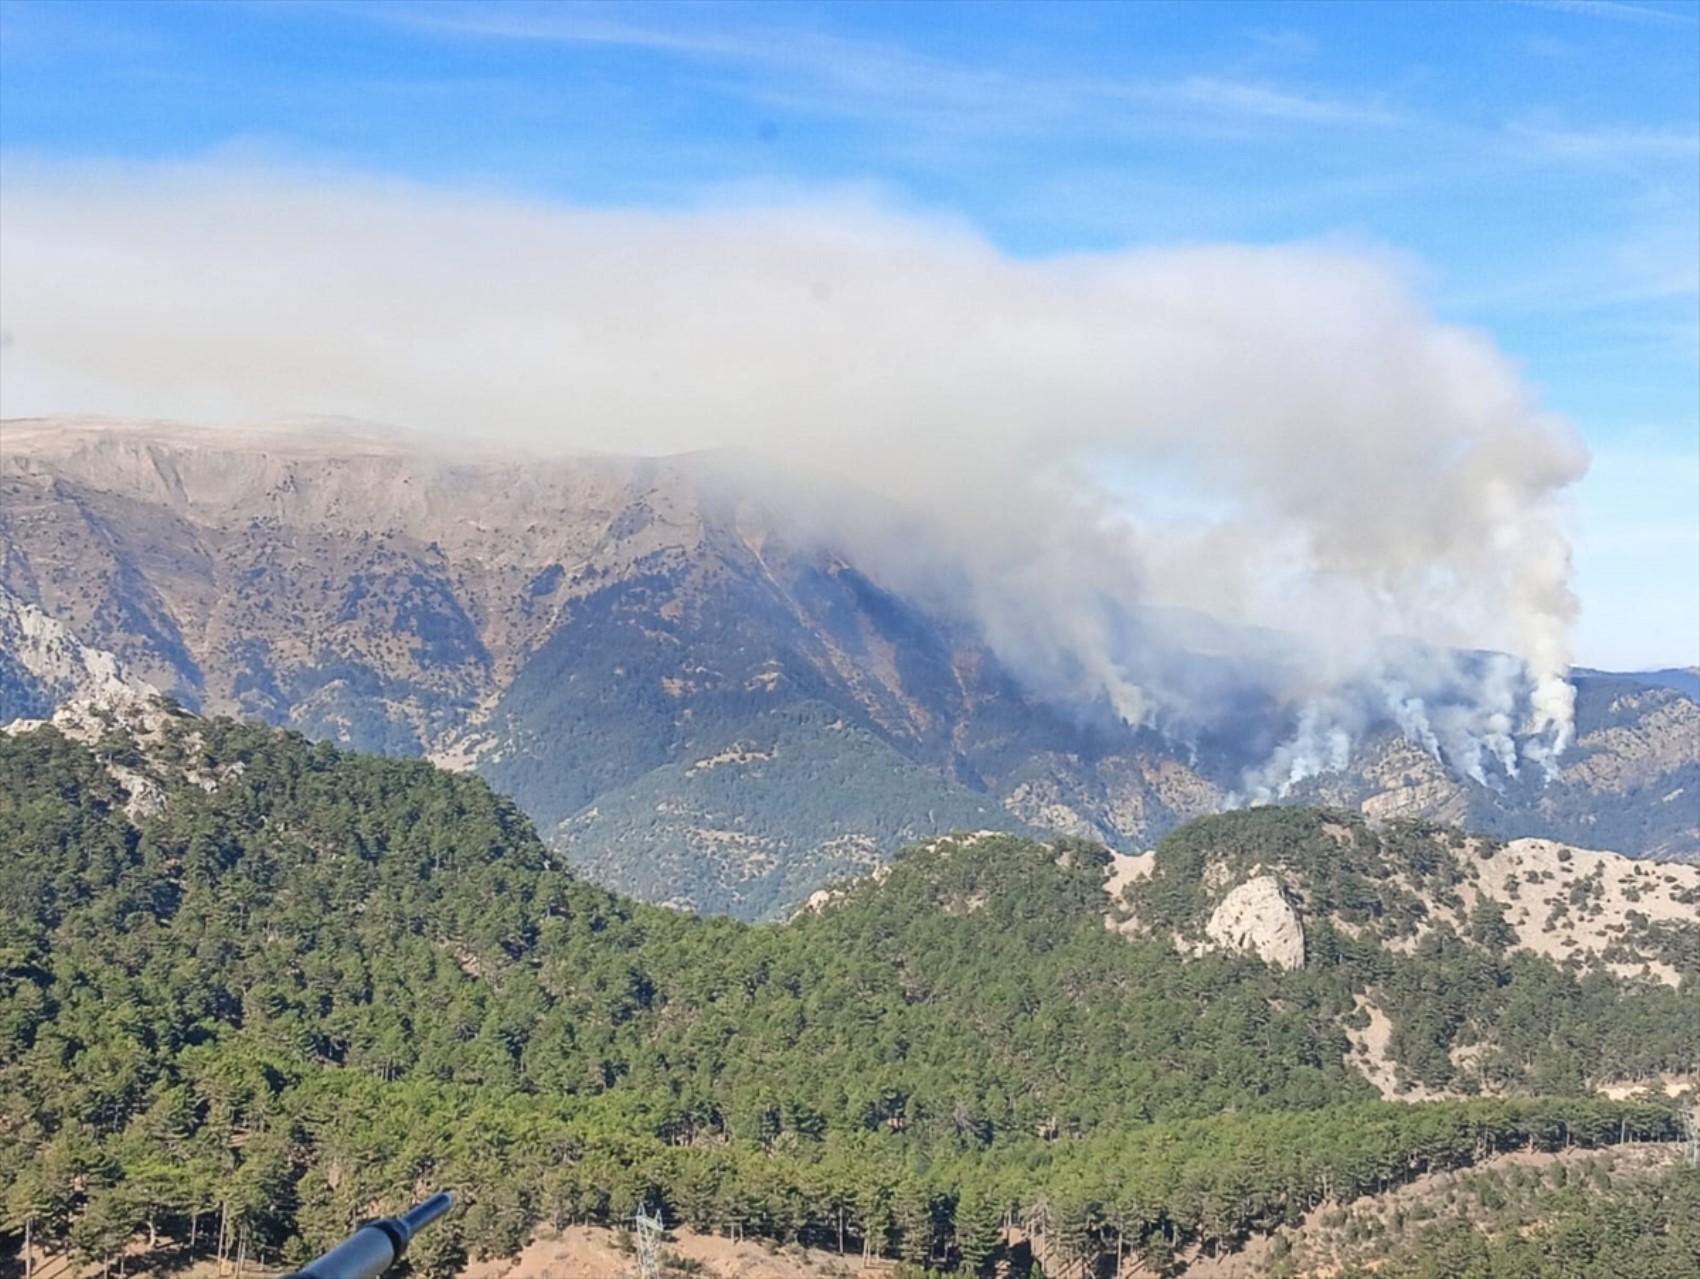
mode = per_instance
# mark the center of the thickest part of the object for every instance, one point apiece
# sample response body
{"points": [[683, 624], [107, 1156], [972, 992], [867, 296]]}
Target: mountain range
{"points": [[697, 693]]}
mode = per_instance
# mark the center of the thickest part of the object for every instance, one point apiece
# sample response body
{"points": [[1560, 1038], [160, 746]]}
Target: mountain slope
{"points": [[300, 981], [1630, 782], [565, 626], [1683, 679], [576, 628], [786, 806]]}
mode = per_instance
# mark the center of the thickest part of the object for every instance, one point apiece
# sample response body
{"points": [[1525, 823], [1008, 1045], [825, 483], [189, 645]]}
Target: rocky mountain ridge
{"points": [[1597, 910], [662, 659], [1307, 889]]}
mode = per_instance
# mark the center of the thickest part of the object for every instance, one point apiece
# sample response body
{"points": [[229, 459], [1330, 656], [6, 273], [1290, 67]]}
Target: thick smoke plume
{"points": [[1115, 444]]}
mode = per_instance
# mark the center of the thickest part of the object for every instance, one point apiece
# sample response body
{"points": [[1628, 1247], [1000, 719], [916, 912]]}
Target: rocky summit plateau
{"points": [[695, 693]]}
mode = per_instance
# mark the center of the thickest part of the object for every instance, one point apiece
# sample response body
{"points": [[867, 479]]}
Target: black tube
{"points": [[376, 1246], [423, 1214]]}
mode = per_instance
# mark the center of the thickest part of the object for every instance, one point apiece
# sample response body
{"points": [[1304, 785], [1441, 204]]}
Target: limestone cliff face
{"points": [[224, 566], [1257, 917], [43, 665]]}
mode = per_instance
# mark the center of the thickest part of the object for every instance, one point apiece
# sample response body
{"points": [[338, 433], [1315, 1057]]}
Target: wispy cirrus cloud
{"points": [[800, 67], [1611, 144], [567, 24], [1285, 42], [1614, 11], [1266, 102]]}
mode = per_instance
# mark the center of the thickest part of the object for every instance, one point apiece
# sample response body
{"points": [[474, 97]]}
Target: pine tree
{"points": [[978, 1231]]}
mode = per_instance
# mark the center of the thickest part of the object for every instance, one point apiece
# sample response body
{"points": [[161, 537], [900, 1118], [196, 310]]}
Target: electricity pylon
{"points": [[648, 1245]]}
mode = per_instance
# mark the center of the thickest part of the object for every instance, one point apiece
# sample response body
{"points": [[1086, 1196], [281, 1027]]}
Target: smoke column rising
{"points": [[1275, 436]]}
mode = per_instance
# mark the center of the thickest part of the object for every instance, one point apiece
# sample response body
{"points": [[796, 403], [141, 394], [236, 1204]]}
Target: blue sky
{"points": [[1537, 165]]}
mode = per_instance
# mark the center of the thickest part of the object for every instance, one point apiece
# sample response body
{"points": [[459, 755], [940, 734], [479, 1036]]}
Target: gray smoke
{"points": [[1277, 437]]}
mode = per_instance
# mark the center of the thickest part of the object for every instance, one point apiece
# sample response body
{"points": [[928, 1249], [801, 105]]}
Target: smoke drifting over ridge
{"points": [[1110, 443]]}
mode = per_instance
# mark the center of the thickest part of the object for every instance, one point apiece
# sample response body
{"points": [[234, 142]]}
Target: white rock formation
{"points": [[44, 650], [1257, 917]]}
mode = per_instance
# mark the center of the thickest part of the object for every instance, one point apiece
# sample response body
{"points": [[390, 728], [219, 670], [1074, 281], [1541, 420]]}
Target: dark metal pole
{"points": [[376, 1246]]}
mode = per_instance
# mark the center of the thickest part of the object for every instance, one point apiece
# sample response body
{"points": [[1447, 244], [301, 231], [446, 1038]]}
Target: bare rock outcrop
{"points": [[1256, 916], [42, 664]]}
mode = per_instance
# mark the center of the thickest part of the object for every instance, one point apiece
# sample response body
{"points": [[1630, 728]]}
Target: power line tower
{"points": [[648, 1245]]}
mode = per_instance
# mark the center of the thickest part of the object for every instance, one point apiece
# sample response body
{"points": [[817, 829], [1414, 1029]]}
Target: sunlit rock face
{"points": [[1256, 917], [43, 665]]}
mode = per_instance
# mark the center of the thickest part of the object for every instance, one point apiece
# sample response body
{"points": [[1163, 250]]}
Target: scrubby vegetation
{"points": [[797, 798], [1585, 1221], [306, 985]]}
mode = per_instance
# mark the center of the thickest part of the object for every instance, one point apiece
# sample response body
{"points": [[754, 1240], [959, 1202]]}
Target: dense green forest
{"points": [[272, 988]]}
